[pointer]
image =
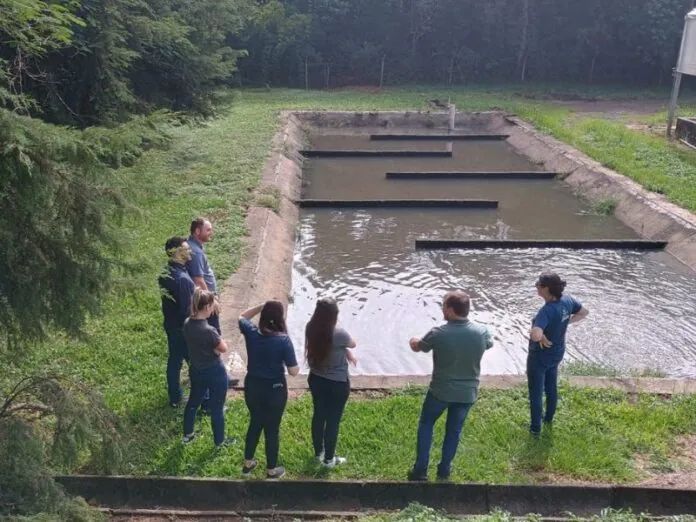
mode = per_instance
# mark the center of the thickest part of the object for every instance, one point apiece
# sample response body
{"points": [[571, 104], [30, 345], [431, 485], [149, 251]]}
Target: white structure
{"points": [[686, 63]]}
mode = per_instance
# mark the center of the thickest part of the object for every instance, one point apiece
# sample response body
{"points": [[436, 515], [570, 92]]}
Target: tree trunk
{"points": [[381, 72], [592, 66], [522, 56]]}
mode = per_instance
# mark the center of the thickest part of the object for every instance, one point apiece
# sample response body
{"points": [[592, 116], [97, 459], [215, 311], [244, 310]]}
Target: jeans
{"points": [[329, 399], [266, 400], [177, 355], [433, 408], [213, 379], [542, 377]]}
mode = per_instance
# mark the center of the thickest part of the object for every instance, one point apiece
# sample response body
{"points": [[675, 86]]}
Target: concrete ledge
{"points": [[614, 244], [471, 175], [324, 153], [439, 137], [398, 203], [341, 496], [550, 500]]}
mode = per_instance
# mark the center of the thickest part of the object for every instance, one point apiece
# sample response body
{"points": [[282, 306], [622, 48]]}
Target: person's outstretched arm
{"points": [[251, 312]]}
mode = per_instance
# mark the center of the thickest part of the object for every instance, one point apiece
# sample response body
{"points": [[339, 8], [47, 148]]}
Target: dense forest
{"points": [[85, 62]]}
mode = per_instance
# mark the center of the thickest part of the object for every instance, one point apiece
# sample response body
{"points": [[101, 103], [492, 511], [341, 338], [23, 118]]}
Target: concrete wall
{"points": [[336, 496]]}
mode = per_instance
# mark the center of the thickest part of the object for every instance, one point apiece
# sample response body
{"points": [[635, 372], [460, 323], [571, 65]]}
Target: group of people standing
{"points": [[191, 322]]}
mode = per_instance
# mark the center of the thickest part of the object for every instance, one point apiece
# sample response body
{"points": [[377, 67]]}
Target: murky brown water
{"points": [[641, 302]]}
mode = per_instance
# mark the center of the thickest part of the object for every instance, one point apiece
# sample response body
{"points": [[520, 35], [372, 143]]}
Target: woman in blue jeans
{"points": [[547, 346], [269, 352], [327, 349], [206, 370]]}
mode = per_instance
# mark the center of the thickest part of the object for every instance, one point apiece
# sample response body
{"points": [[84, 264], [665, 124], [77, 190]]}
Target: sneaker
{"points": [[226, 443], [276, 473], [319, 458], [336, 461], [417, 476], [231, 383], [246, 470], [188, 439], [443, 477]]}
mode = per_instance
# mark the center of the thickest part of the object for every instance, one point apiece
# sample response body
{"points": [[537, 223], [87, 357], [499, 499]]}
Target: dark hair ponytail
{"points": [[272, 320]]}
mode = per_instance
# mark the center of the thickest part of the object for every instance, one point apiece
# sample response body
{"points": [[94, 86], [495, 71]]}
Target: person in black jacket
{"points": [[177, 289]]}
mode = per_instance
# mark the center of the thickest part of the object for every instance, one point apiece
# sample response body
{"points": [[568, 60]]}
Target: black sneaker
{"points": [[417, 476], [246, 470], [231, 441]]}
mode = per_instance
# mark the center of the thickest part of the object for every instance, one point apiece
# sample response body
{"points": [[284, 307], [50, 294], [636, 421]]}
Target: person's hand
{"points": [[216, 306], [545, 343], [352, 359], [413, 343]]}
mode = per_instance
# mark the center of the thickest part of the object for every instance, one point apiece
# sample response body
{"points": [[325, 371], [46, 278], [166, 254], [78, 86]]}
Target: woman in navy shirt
{"points": [[269, 352], [547, 346]]}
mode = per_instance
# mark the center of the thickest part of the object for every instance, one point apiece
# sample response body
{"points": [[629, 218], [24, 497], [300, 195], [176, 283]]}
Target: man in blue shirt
{"points": [[198, 266], [200, 270], [177, 290]]}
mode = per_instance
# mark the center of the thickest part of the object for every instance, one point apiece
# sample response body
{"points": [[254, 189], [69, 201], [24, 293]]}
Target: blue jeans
{"points": [[177, 355], [542, 377], [213, 378], [433, 408]]}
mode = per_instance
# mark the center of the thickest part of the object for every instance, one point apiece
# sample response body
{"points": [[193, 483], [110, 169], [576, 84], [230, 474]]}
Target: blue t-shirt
{"points": [[176, 288], [553, 318], [267, 355], [199, 266]]}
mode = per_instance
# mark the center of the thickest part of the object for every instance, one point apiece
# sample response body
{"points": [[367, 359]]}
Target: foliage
{"points": [[461, 41], [54, 415]]}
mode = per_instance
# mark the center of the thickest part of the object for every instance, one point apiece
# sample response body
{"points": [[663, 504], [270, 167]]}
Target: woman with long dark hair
{"points": [[327, 349], [269, 353], [547, 346]]}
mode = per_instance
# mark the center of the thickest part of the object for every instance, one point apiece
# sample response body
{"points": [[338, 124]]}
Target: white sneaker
{"points": [[319, 458], [336, 461]]}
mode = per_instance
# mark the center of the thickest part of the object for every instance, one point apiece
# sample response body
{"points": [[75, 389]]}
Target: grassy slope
{"points": [[212, 170]]}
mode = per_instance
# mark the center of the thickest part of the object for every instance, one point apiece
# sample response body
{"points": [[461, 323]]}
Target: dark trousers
{"points": [[542, 378], [177, 355], [266, 400], [329, 399], [433, 408], [214, 321], [213, 380]]}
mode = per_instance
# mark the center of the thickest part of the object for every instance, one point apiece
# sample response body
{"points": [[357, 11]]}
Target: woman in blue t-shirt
{"points": [[547, 346], [327, 349], [269, 352]]}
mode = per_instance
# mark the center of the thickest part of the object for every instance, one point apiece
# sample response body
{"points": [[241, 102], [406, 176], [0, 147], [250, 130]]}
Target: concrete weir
{"points": [[438, 137], [613, 244], [300, 496], [377, 153], [471, 175], [397, 203]]}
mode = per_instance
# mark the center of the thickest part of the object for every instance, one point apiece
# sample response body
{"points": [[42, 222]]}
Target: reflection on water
{"points": [[641, 302]]}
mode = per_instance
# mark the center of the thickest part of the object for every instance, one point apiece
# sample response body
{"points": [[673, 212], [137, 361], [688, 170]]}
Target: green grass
{"points": [[419, 513], [596, 435], [213, 169]]}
